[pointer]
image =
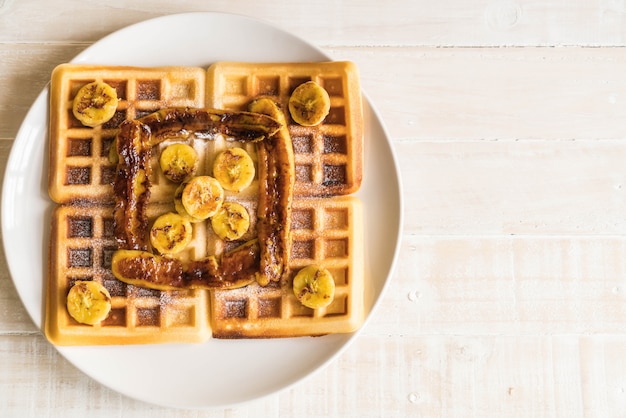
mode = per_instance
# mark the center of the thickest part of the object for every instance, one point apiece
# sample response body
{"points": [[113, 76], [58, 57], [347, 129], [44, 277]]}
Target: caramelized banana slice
{"points": [[178, 162], [88, 302], [95, 104], [314, 287], [170, 233], [202, 197], [309, 104], [234, 169], [180, 209], [231, 222]]}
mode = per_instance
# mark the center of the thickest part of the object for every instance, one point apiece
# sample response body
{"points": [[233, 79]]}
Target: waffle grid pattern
{"points": [[328, 156], [321, 234], [85, 244], [80, 157]]}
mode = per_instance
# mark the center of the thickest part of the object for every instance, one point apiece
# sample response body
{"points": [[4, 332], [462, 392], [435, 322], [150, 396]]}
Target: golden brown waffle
{"points": [[329, 157], [82, 244], [79, 164], [325, 230]]}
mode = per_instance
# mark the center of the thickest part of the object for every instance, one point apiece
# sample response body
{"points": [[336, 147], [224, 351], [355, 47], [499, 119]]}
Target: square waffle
{"points": [[79, 164], [323, 233], [329, 156], [326, 230], [82, 243]]}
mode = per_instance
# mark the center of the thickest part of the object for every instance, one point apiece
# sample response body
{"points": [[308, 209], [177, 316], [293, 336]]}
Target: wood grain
{"points": [[450, 94], [513, 286], [507, 119], [429, 375], [448, 23], [514, 187]]}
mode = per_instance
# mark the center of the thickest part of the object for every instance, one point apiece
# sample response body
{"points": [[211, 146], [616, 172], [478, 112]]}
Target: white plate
{"points": [[216, 373]]}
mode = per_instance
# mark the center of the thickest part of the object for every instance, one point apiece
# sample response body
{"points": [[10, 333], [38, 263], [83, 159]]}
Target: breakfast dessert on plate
{"points": [[196, 202]]}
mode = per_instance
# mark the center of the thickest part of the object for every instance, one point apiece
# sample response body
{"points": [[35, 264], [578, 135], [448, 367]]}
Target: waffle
{"points": [[329, 157], [326, 230], [82, 243], [79, 164]]}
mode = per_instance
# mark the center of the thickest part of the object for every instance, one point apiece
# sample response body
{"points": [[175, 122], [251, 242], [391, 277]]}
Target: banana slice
{"points": [[234, 169], [114, 157], [314, 286], [309, 104], [170, 233], [199, 198], [88, 302], [95, 104], [231, 222], [178, 162], [178, 205]]}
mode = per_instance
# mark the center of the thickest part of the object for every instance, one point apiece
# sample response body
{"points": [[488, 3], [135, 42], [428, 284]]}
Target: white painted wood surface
{"points": [[509, 122]]}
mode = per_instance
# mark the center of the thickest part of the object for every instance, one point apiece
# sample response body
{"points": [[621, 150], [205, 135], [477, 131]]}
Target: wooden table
{"points": [[508, 120]]}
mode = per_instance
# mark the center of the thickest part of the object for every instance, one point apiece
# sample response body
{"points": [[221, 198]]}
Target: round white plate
{"points": [[215, 373]]}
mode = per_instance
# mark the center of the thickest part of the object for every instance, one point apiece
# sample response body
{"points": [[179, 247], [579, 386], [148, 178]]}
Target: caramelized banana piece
{"points": [[95, 104], [314, 286], [132, 186], [231, 222], [144, 269], [141, 268], [202, 197], [134, 145], [309, 104], [170, 233], [276, 181], [236, 269], [244, 126], [234, 169], [88, 302], [178, 162], [178, 205]]}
